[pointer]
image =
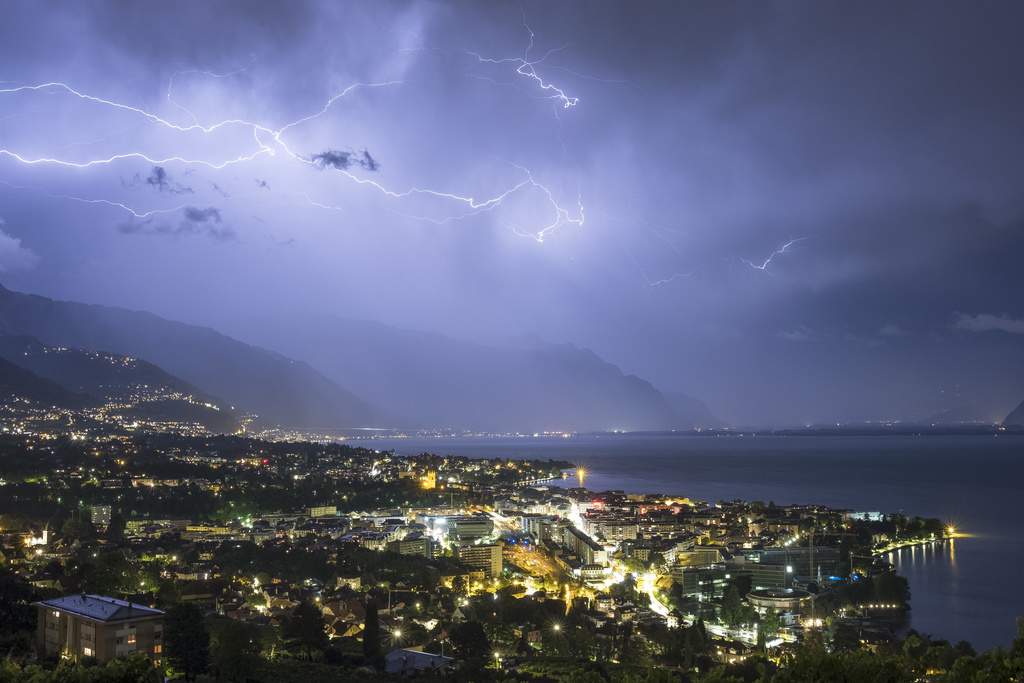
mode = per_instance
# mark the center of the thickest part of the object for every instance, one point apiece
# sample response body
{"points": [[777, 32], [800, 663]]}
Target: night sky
{"points": [[797, 212]]}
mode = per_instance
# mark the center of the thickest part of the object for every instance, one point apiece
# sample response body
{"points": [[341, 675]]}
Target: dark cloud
{"points": [[194, 221], [345, 160], [159, 179]]}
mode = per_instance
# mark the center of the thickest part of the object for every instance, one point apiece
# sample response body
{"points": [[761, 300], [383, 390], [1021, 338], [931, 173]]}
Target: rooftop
{"points": [[398, 661], [99, 608]]}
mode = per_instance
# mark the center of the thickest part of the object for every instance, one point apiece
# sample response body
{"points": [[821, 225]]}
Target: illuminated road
{"points": [[647, 585]]}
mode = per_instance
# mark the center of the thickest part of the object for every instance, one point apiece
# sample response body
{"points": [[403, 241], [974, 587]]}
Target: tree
{"points": [[78, 529], [136, 667], [772, 623], [469, 640], [236, 656], [304, 629], [371, 634], [732, 607], [890, 587], [844, 637], [637, 653], [168, 594], [116, 527], [186, 640], [744, 584], [813, 644]]}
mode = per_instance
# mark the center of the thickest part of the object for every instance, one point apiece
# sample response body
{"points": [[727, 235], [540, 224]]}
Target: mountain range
{"points": [[520, 384], [1016, 417], [367, 374]]}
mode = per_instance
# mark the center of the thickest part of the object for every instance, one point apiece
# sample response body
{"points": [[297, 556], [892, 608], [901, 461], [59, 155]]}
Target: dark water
{"points": [[968, 590]]}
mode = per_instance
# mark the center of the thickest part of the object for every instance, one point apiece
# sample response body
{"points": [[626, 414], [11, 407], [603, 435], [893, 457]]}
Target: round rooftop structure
{"points": [[782, 599]]}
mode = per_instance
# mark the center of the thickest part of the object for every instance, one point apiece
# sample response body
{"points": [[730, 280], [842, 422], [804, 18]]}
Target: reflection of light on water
{"points": [[908, 559]]}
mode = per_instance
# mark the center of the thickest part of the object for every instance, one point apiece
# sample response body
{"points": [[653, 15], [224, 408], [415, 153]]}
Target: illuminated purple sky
{"points": [[624, 176]]}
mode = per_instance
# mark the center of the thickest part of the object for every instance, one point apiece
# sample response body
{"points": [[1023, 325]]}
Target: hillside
{"points": [[141, 390], [17, 382], [280, 390], [1016, 417]]}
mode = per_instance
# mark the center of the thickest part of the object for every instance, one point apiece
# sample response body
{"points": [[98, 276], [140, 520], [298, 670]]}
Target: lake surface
{"points": [[967, 590]]}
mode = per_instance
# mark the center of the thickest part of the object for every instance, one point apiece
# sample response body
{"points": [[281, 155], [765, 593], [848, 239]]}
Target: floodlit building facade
{"points": [[486, 558], [84, 626]]}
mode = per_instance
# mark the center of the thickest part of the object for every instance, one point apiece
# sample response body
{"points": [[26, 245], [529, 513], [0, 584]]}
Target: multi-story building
{"points": [[583, 547], [82, 626], [413, 544], [618, 530], [483, 557], [537, 526], [468, 527], [101, 514]]}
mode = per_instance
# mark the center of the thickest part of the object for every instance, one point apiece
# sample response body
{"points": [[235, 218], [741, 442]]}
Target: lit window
{"points": [[157, 649], [87, 651], [130, 639]]}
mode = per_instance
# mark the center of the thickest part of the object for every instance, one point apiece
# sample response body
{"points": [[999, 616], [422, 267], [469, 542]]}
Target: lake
{"points": [[965, 590]]}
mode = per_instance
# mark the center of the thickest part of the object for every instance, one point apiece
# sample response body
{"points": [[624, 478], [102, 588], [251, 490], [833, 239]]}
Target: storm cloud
{"points": [[343, 161], [648, 221], [161, 181], [194, 221]]}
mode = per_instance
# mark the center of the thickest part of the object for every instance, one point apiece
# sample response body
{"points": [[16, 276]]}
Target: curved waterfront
{"points": [[964, 590]]}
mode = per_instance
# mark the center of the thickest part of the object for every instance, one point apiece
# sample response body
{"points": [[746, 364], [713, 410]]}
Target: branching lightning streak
{"points": [[105, 202], [651, 284], [764, 266], [170, 82], [268, 141], [527, 69]]}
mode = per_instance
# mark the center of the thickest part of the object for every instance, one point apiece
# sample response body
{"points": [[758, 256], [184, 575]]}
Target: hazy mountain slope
{"points": [[694, 410], [144, 390], [967, 412], [525, 385], [16, 381], [282, 391], [1016, 417]]}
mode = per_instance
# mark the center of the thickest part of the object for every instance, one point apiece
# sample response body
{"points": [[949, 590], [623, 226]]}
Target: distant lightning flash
{"points": [[764, 266], [270, 142], [528, 69]]}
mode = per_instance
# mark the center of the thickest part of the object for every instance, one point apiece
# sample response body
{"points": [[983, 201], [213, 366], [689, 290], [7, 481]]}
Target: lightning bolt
{"points": [[527, 68], [104, 202], [651, 284], [259, 139], [764, 266]]}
